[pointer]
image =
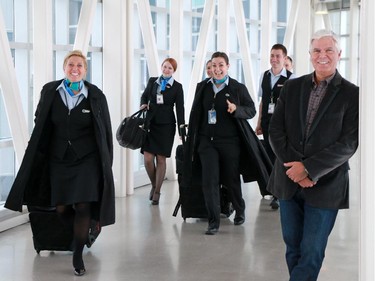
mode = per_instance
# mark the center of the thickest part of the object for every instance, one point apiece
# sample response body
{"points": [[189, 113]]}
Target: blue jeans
{"points": [[305, 231]]}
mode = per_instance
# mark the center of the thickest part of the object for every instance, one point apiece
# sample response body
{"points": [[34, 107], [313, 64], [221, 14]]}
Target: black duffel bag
{"points": [[132, 131]]}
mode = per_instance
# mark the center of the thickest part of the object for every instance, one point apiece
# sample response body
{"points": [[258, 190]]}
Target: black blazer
{"points": [[254, 162], [325, 151], [163, 113], [32, 183]]}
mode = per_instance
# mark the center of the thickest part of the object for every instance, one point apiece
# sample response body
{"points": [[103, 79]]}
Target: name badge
{"points": [[212, 116], [159, 99], [271, 108]]}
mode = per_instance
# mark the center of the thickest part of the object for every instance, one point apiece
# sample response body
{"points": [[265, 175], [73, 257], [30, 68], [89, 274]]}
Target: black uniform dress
{"points": [[162, 120], [75, 171]]}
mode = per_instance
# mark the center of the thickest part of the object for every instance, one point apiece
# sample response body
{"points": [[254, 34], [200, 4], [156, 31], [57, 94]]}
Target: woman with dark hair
{"points": [[223, 141], [160, 96]]}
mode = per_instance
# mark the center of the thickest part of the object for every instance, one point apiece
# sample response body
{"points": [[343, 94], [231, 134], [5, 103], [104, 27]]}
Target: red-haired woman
{"points": [[160, 96]]}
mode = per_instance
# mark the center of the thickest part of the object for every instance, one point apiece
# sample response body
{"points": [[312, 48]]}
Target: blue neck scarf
{"points": [[73, 86], [220, 81], [164, 81]]}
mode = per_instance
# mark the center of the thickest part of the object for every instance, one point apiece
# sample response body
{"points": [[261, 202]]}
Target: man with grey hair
{"points": [[313, 132]]}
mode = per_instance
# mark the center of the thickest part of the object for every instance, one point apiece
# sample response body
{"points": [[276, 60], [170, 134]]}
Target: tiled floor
{"points": [[148, 243]]}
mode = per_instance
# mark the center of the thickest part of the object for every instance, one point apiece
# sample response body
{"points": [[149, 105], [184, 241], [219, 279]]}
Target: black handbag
{"points": [[132, 131]]}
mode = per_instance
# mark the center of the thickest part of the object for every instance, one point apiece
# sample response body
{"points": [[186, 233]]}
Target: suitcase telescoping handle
{"points": [[182, 129]]}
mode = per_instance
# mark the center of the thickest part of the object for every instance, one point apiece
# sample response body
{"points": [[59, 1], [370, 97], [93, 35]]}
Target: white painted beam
{"points": [[11, 94], [223, 26], [114, 85], [42, 46], [176, 34], [200, 54], [244, 48], [266, 31], [291, 24], [302, 39], [367, 140], [148, 34], [84, 27]]}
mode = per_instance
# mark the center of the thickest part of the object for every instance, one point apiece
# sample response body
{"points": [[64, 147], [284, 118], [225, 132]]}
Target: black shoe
{"points": [[79, 271], [239, 219], [155, 198], [94, 231], [274, 203], [151, 193], [212, 231]]}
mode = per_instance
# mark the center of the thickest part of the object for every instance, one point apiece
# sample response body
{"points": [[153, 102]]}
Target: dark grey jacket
{"points": [[325, 151]]}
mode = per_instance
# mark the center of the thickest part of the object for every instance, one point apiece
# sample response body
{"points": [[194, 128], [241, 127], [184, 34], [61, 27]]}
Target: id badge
{"points": [[212, 116], [271, 108], [159, 99]]}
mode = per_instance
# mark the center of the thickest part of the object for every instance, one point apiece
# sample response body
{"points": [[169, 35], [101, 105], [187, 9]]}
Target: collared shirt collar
{"points": [[327, 80], [222, 86], [170, 81], [282, 73], [226, 82]]}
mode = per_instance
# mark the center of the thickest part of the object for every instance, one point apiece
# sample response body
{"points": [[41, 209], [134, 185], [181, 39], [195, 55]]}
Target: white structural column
{"points": [[223, 26], [11, 93], [291, 25], [127, 156], [266, 31], [84, 28], [244, 47], [200, 54], [354, 38], [42, 46], [367, 140], [114, 74], [176, 34], [302, 39], [176, 52], [148, 35]]}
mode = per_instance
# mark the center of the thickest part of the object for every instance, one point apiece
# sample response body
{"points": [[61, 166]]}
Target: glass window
{"points": [[7, 156]]}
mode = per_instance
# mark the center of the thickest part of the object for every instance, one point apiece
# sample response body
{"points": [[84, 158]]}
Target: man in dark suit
{"points": [[313, 132]]}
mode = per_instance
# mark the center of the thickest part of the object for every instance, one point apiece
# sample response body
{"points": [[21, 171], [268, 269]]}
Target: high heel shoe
{"points": [[79, 271], [152, 193], [155, 198], [78, 265]]}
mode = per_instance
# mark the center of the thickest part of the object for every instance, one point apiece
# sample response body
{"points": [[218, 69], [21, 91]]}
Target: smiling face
{"points": [[209, 69], [75, 69], [324, 56], [167, 69], [277, 60], [219, 68]]}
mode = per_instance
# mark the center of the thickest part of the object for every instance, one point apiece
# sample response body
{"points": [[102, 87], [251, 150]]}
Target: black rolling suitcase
{"points": [[191, 200], [49, 233]]}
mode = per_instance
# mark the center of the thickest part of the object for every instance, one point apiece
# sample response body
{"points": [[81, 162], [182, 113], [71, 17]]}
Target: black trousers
{"points": [[220, 159]]}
